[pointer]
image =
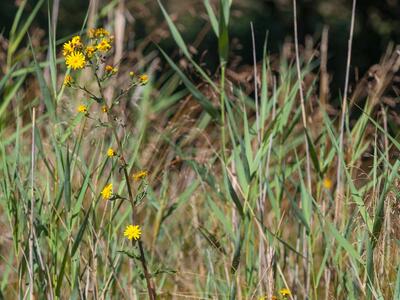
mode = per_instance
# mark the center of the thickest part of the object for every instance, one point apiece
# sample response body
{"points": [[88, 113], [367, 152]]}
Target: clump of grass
{"points": [[119, 189]]}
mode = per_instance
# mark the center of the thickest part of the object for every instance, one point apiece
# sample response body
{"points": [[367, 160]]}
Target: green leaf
{"points": [[211, 239], [48, 101], [203, 101], [236, 255], [213, 18], [79, 236], [67, 182], [10, 95], [344, 243], [313, 153], [397, 287], [181, 44], [232, 194], [174, 31], [62, 271], [223, 37], [14, 43]]}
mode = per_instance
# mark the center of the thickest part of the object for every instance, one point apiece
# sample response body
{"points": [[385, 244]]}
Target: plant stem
{"points": [[31, 272], [149, 283], [222, 101], [339, 183]]}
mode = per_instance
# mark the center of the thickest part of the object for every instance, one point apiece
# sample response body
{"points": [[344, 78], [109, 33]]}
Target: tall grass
{"points": [[227, 211]]}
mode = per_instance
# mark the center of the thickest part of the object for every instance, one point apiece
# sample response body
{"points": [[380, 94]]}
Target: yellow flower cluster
{"points": [[101, 39], [132, 232], [77, 54], [104, 45], [72, 51]]}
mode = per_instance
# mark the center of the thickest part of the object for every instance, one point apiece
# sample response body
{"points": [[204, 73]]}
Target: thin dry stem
{"points": [[304, 119], [339, 183], [324, 83]]}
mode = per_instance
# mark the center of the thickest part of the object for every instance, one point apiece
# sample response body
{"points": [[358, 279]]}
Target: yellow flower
{"points": [[140, 175], [103, 46], [104, 108], [132, 232], [327, 183], [82, 108], [111, 69], [285, 292], [131, 73], [76, 41], [68, 48], [107, 192], [75, 60], [101, 32], [111, 152], [92, 33], [68, 81], [143, 79], [266, 298], [90, 51]]}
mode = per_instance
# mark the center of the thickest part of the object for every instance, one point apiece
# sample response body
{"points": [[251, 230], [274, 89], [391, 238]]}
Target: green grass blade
{"points": [[212, 17], [203, 101]]}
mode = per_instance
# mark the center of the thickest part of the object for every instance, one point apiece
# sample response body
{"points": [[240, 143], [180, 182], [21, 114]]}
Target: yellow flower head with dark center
{"points": [[68, 81], [68, 48], [106, 193], [82, 108], [76, 42], [284, 292], [143, 79], [111, 152], [75, 60], [103, 46], [327, 183], [140, 175], [104, 108], [132, 232], [101, 32], [90, 50]]}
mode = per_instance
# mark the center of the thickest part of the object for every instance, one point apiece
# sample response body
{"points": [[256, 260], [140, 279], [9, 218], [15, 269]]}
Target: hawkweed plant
{"points": [[92, 53]]}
